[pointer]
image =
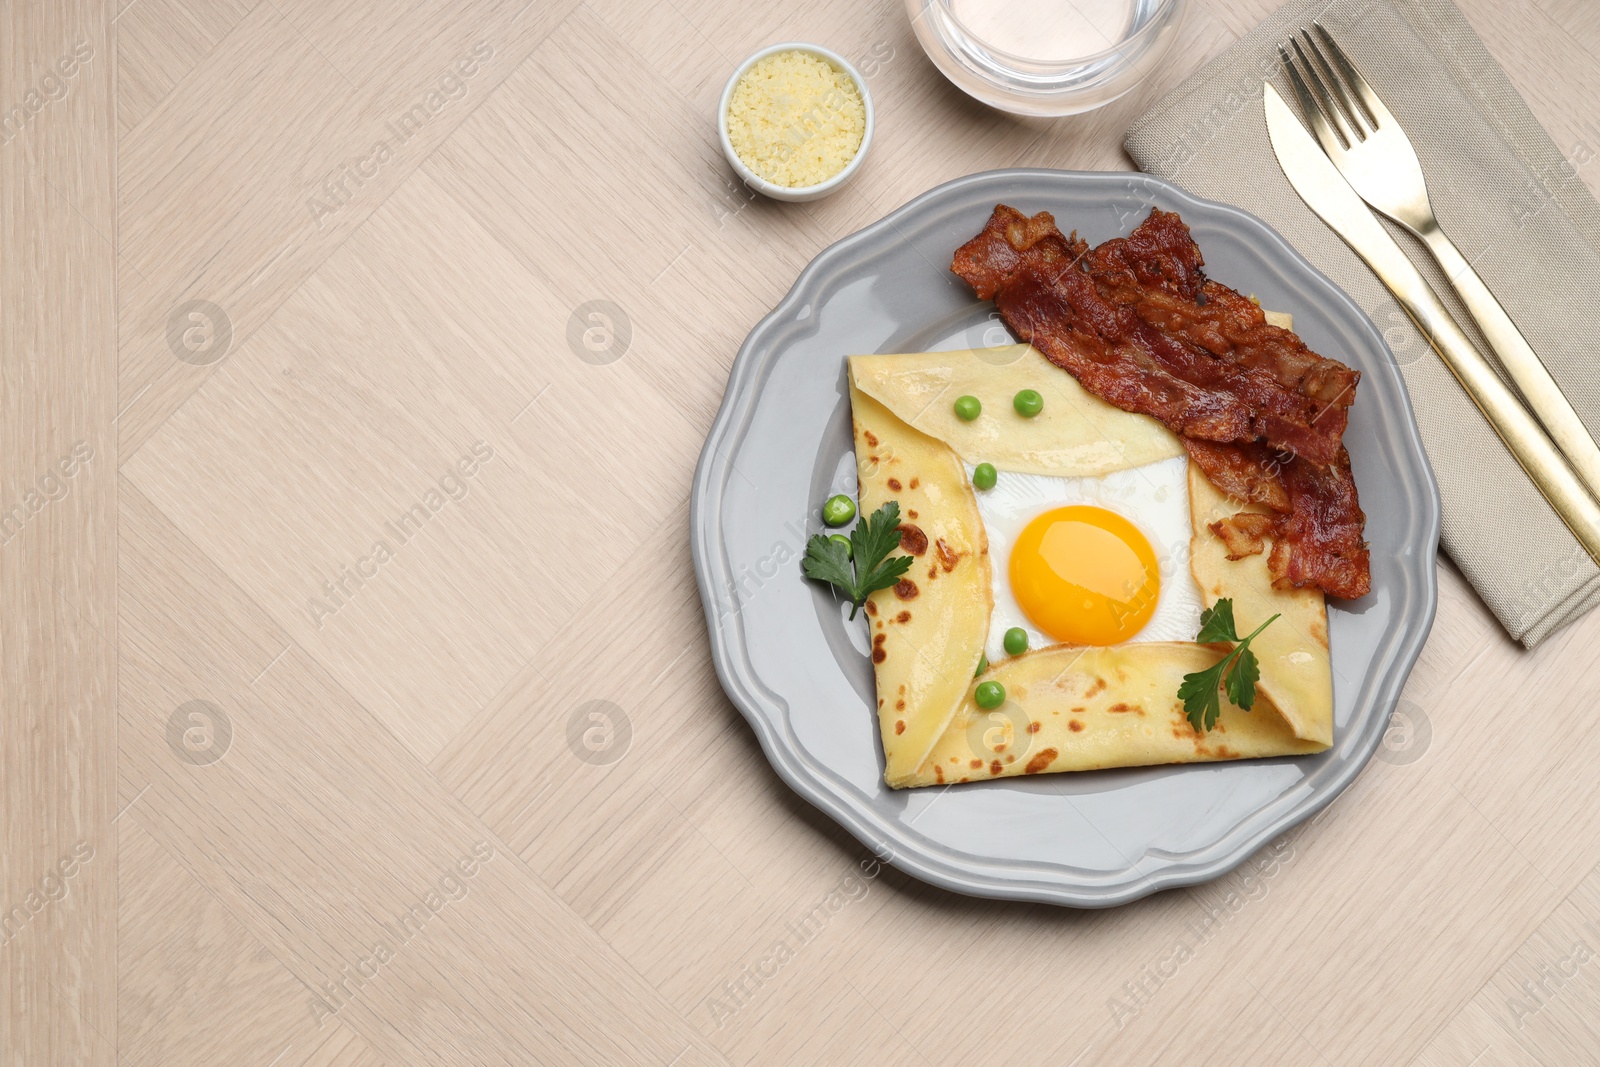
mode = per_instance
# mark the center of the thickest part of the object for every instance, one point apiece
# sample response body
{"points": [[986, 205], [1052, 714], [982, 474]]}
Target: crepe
{"points": [[927, 631], [1083, 708], [1296, 669], [1076, 434], [1067, 707]]}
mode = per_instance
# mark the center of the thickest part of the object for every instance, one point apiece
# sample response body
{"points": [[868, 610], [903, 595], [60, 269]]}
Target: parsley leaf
{"points": [[828, 561], [882, 576], [870, 544], [1242, 678], [1199, 695], [1237, 672], [876, 536], [1216, 623]]}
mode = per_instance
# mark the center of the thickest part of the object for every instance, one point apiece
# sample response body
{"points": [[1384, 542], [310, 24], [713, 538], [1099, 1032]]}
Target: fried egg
{"points": [[1097, 560]]}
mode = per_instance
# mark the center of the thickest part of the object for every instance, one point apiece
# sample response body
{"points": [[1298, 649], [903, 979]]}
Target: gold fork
{"points": [[1364, 141]]}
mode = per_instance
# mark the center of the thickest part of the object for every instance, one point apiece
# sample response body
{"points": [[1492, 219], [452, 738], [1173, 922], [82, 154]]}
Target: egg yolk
{"points": [[1085, 575]]}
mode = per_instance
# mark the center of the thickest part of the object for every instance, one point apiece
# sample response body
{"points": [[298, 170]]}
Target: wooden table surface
{"points": [[282, 281]]}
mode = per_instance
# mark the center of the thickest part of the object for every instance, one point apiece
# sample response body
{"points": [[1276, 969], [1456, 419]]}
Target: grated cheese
{"points": [[794, 120]]}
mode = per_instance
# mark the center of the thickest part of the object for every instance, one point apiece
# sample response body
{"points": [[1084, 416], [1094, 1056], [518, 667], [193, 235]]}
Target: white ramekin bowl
{"points": [[795, 194]]}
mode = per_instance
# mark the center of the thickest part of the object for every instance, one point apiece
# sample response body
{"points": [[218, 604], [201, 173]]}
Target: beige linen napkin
{"points": [[1514, 204]]}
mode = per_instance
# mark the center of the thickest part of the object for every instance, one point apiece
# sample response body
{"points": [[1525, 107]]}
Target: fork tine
{"points": [[1353, 116], [1323, 124], [1376, 112], [1308, 104], [1320, 91], [1301, 91]]}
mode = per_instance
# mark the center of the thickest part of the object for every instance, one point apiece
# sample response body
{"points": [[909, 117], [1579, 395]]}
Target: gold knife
{"points": [[1325, 191]]}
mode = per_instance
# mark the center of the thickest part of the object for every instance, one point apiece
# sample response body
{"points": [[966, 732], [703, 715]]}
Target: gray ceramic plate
{"points": [[781, 445]]}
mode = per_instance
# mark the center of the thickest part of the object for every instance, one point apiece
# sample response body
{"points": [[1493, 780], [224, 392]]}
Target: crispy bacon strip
{"points": [[1136, 321], [1250, 472], [1243, 533], [1318, 541], [1316, 519]]}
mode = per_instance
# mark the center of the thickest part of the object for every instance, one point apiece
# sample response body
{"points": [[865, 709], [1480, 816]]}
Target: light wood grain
{"points": [[159, 42], [1445, 912], [249, 173], [194, 986], [323, 897], [58, 587]]}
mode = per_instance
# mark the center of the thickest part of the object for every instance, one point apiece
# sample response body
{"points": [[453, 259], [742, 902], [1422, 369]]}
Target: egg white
{"points": [[1154, 497]]}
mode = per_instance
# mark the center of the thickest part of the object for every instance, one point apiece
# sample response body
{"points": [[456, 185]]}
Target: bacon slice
{"points": [[1252, 472], [1137, 322], [1243, 533], [1316, 521]]}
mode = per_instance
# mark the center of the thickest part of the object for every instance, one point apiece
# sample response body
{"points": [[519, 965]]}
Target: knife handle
{"points": [[1521, 434], [1550, 405]]}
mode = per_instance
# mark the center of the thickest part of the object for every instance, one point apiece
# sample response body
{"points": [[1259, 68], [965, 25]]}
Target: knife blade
{"points": [[1325, 191]]}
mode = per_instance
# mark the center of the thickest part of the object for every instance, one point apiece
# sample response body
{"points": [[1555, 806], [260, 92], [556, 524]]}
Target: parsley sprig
{"points": [[865, 567], [1237, 672]]}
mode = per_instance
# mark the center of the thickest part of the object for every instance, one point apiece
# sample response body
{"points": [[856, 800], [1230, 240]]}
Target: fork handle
{"points": [[1549, 404]]}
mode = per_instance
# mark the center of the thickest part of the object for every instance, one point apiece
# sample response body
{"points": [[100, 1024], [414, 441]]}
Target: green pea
{"points": [[841, 539], [838, 510], [983, 476], [983, 664], [989, 695], [967, 408], [1028, 403], [1016, 641]]}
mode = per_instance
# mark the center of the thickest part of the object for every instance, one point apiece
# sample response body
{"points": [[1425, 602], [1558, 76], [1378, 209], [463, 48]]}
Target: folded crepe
{"points": [[1067, 707]]}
